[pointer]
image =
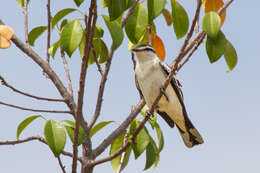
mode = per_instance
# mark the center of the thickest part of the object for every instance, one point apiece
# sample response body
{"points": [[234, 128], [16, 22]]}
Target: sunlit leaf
{"points": [[167, 16], [142, 139], [230, 56], [129, 3], [104, 53], [36, 33], [159, 137], [98, 127], [211, 24], [97, 46], [137, 23], [71, 36], [62, 13], [104, 3], [78, 2], [70, 130], [115, 146], [115, 30], [55, 136], [215, 48], [150, 156], [98, 32], [215, 5], [4, 43], [52, 50], [180, 19], [116, 8], [21, 2], [155, 7], [6, 33], [24, 124]]}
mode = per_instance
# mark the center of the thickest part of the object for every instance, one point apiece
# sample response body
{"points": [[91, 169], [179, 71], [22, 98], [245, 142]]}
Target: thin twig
{"points": [[3, 81], [120, 167], [101, 88], [34, 110], [150, 39], [129, 13], [90, 26], [61, 165], [48, 30], [96, 61], [32, 138], [25, 12], [66, 68]]}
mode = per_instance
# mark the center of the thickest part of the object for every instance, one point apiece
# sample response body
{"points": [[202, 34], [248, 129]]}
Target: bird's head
{"points": [[144, 52]]}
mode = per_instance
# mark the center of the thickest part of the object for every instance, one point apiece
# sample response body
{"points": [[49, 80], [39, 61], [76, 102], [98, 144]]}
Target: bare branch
{"points": [[107, 141], [25, 12], [120, 167], [66, 67], [101, 88], [3, 81], [32, 138], [48, 30], [35, 110], [61, 165], [95, 58], [129, 13], [90, 27]]}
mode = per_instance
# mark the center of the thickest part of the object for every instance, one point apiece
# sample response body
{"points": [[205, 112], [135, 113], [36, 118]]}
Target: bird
{"points": [[150, 75]]}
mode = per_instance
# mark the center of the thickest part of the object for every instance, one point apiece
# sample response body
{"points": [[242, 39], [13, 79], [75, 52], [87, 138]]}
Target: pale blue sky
{"points": [[223, 106]]}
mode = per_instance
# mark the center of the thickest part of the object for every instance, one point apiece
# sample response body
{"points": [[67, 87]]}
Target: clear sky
{"points": [[223, 106]]}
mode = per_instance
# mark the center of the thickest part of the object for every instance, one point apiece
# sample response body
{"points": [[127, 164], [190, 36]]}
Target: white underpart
{"points": [[151, 77]]}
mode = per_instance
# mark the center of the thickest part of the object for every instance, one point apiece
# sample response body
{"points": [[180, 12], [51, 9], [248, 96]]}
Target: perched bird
{"points": [[150, 74]]}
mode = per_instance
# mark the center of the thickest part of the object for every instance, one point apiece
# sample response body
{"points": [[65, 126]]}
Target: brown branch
{"points": [[90, 23], [32, 138], [3, 82], [48, 30], [35, 110], [129, 13], [107, 141], [101, 88], [120, 167], [25, 12], [66, 68], [61, 165]]}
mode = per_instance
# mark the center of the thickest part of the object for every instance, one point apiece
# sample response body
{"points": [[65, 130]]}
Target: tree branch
{"points": [[129, 13], [101, 88], [61, 165], [25, 12], [35, 110], [90, 26], [32, 138], [66, 68], [95, 58], [3, 82], [48, 30], [107, 141]]}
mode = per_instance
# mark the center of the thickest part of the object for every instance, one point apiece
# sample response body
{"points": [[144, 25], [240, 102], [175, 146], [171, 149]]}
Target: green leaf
{"points": [[215, 48], [78, 2], [211, 24], [141, 141], [159, 137], [167, 16], [104, 53], [55, 136], [58, 16], [35, 33], [150, 156], [64, 22], [70, 130], [71, 36], [129, 3], [155, 8], [116, 8], [24, 124], [104, 3], [115, 146], [180, 19], [98, 127], [230, 56], [137, 23], [52, 50], [156, 152], [98, 32], [21, 2], [115, 30]]}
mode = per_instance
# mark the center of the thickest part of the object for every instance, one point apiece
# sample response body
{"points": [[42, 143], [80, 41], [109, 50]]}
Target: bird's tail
{"points": [[191, 136]]}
